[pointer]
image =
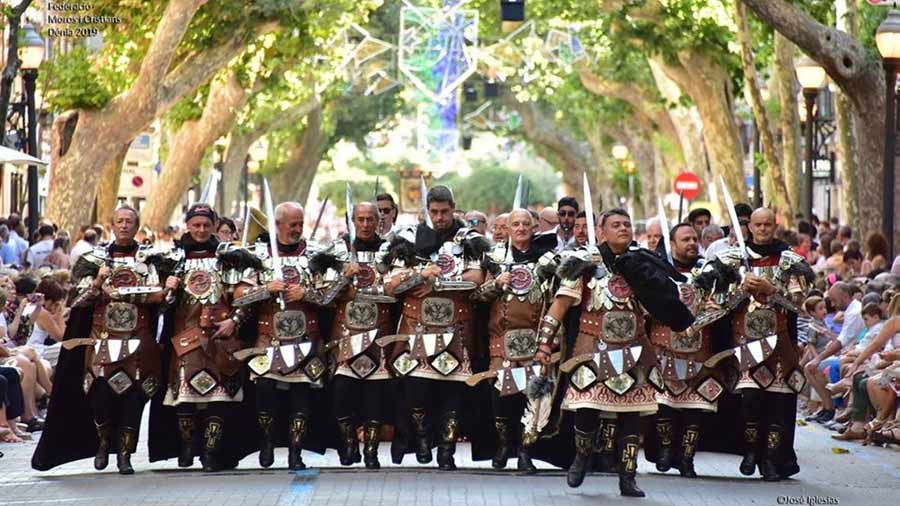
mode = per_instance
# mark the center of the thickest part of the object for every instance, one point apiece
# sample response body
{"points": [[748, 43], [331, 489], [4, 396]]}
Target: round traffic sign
{"points": [[688, 185], [137, 181]]}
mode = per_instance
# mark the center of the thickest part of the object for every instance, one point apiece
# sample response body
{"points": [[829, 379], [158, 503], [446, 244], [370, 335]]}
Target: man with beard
{"points": [[689, 389], [288, 334], [435, 341], [518, 296], [204, 379], [114, 319], [566, 210], [363, 313], [616, 286], [768, 296], [581, 230]]}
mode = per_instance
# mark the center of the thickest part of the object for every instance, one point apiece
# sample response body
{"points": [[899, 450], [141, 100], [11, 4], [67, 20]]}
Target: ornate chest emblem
{"points": [[437, 312], [521, 280], [199, 284], [290, 275], [362, 315], [618, 288], [619, 326], [520, 344], [289, 324], [447, 264], [121, 317], [123, 277], [760, 324], [687, 294], [365, 277], [445, 363], [363, 366], [681, 342]]}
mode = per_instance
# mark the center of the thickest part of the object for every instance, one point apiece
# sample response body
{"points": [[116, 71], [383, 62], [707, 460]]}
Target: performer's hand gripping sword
{"points": [[735, 224]]}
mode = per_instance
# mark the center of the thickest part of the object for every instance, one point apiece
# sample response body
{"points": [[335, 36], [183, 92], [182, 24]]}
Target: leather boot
{"points": [[212, 439], [689, 443], [127, 446], [664, 433], [371, 438], [605, 447], [349, 452], [751, 435], [501, 425], [267, 444], [423, 445], [447, 446], [584, 449], [104, 436], [524, 464], [186, 430], [628, 467], [769, 466], [296, 430]]}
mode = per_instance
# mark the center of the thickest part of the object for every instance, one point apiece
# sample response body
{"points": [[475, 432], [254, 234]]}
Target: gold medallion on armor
{"points": [[796, 381], [584, 378], [314, 368], [760, 324], [682, 342], [405, 363], [260, 364], [437, 312], [119, 382], [619, 326], [521, 279], [445, 363], [362, 315], [121, 317], [710, 389], [150, 385], [203, 382], [763, 376], [620, 384], [363, 366], [520, 344], [289, 324], [123, 277], [199, 283], [656, 380]]}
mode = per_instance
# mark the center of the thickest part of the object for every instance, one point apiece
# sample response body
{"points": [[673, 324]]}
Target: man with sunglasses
{"points": [[567, 209], [387, 214], [476, 220]]}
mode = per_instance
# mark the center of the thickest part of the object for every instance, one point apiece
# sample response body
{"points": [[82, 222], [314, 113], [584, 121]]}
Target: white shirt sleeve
{"points": [[853, 324]]}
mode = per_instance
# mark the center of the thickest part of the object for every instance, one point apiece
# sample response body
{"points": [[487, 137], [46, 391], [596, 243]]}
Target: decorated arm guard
{"points": [[487, 292], [409, 283], [547, 332], [87, 294], [252, 296]]}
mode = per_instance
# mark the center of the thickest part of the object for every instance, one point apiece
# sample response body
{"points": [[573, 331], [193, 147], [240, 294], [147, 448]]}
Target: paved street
{"points": [[865, 475]]}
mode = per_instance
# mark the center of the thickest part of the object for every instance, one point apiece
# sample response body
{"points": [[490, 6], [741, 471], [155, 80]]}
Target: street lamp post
{"points": [[31, 54], [812, 78], [887, 38]]}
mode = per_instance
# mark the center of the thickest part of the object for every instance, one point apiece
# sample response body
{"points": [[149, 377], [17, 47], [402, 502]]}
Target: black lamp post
{"points": [[812, 78], [31, 54], [887, 38]]}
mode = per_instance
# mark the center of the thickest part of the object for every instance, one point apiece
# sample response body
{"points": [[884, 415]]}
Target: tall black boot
{"points": [[769, 466], [186, 430], [751, 436], [584, 450], [212, 439], [605, 446], [664, 428], [127, 446], [267, 444], [447, 446], [296, 430], [104, 436], [689, 442], [501, 425], [524, 463], [423, 444], [371, 438], [628, 467], [349, 452]]}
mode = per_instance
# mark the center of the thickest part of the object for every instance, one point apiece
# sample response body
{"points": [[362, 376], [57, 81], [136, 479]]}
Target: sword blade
{"points": [[664, 226], [517, 200], [738, 234], [318, 219], [424, 191], [270, 226], [589, 211]]}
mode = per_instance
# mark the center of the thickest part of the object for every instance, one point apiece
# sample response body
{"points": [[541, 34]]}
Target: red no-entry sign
{"points": [[688, 185]]}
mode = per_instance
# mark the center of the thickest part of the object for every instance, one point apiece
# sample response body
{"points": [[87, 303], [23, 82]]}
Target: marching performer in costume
{"points": [[435, 270], [284, 361], [690, 388], [112, 332], [362, 315], [616, 286], [204, 380], [763, 325], [518, 289]]}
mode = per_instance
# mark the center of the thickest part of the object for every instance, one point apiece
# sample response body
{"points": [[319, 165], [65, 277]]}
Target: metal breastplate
{"points": [[202, 280], [294, 270]]}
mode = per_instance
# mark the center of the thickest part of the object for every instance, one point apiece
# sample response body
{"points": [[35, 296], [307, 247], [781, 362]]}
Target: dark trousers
{"points": [[269, 397], [357, 398], [588, 420], [122, 410], [436, 397]]}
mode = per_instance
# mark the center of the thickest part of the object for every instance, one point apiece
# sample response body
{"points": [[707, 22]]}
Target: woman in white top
{"points": [[49, 324]]}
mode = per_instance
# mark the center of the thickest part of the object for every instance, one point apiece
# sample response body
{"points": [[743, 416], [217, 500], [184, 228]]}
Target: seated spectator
{"points": [[876, 255], [852, 264], [59, 257], [49, 324], [8, 253]]}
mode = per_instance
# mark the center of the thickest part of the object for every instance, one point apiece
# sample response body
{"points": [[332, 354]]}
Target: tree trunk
{"points": [[785, 82], [226, 98], [295, 179], [846, 62], [846, 129], [685, 119], [232, 170], [108, 189], [781, 200], [86, 141]]}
